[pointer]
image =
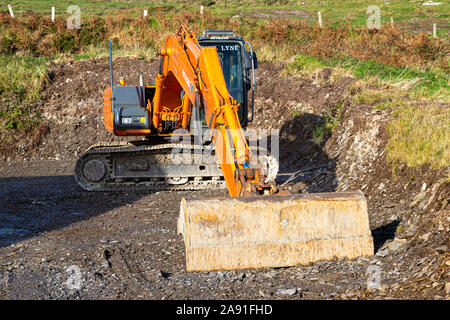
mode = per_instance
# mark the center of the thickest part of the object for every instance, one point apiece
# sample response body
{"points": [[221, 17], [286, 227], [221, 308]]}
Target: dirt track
{"points": [[126, 246]]}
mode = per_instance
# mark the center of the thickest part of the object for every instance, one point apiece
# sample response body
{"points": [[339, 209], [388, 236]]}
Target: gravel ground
{"points": [[58, 242]]}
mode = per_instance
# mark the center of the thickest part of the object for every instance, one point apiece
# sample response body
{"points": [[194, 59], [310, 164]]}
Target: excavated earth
{"points": [[59, 242]]}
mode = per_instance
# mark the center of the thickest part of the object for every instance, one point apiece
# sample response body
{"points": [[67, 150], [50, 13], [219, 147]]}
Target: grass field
{"points": [[423, 82], [397, 68], [332, 11]]}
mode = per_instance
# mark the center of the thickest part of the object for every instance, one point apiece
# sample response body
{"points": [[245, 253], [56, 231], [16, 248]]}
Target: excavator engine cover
{"points": [[273, 231], [129, 108], [131, 118]]}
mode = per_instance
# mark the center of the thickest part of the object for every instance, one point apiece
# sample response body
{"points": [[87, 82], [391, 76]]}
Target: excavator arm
{"points": [[258, 226], [197, 71]]}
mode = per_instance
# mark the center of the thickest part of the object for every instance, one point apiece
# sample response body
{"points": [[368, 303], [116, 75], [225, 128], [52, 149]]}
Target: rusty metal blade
{"points": [[273, 231]]}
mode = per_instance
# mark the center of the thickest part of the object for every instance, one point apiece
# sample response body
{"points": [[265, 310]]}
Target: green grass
{"points": [[418, 132], [305, 62], [323, 131], [429, 81], [426, 82], [23, 76], [21, 81], [347, 9], [420, 135], [333, 12], [98, 52]]}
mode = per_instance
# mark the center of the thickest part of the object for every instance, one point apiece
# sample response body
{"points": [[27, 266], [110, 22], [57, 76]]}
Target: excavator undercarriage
{"points": [[141, 165]]}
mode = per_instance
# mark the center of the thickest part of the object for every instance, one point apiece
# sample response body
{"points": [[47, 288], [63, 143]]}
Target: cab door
{"points": [[231, 59]]}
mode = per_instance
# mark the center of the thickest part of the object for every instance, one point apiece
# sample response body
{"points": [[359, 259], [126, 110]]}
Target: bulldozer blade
{"points": [[273, 231]]}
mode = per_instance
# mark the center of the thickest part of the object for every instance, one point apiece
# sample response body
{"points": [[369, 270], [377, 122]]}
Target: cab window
{"points": [[230, 59]]}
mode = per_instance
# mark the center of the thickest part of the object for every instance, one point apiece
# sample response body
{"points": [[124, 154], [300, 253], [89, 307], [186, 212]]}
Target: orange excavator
{"points": [[193, 120]]}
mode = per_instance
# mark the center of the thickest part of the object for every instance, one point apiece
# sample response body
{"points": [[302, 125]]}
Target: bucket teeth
{"points": [[273, 231]]}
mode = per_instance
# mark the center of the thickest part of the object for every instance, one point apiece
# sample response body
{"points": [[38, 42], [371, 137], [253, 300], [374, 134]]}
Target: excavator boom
{"points": [[197, 70]]}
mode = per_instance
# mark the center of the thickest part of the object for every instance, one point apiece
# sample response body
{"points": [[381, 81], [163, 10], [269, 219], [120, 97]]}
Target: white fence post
{"points": [[10, 11], [319, 16], [53, 14], [145, 13], [434, 30]]}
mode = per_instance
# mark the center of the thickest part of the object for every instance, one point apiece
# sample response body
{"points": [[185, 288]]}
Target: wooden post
{"points": [[392, 22], [434, 30], [145, 13], [11, 11], [202, 10], [53, 14], [319, 16]]}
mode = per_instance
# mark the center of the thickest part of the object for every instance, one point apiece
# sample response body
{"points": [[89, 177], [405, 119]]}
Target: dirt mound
{"points": [[296, 107], [72, 104], [408, 207]]}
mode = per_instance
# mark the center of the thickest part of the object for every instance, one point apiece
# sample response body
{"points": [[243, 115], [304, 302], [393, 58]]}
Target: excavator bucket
{"points": [[273, 231]]}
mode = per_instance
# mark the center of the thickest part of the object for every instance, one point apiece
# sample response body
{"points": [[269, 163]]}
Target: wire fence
{"points": [[436, 27], [439, 26]]}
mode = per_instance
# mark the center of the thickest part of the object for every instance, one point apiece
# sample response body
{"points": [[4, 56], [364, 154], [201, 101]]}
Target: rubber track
{"points": [[104, 150]]}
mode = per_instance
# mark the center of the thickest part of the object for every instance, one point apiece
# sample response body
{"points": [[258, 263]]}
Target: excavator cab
{"points": [[238, 63]]}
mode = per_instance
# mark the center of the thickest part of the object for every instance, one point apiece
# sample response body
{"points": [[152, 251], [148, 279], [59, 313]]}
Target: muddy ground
{"points": [[59, 242]]}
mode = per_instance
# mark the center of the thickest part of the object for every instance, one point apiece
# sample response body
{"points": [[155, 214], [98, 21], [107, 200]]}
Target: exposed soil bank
{"points": [[125, 245]]}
